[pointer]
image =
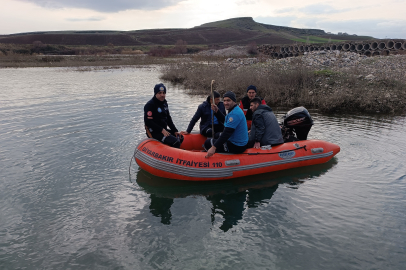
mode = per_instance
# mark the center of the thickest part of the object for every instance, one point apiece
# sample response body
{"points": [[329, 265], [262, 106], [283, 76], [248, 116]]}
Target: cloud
{"points": [[316, 9], [247, 2], [285, 10], [321, 9], [90, 19], [378, 28], [107, 6]]}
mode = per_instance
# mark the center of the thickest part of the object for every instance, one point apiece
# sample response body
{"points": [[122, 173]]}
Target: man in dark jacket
{"points": [[265, 129], [157, 119], [245, 101], [204, 112]]}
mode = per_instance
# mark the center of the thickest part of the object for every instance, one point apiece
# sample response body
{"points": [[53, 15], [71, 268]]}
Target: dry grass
{"points": [[296, 85]]}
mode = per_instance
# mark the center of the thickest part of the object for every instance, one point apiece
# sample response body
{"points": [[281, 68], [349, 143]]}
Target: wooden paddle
{"points": [[212, 115]]}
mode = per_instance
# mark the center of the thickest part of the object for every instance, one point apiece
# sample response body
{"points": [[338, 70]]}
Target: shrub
{"points": [[51, 59], [160, 51], [180, 47], [252, 48], [38, 44], [22, 51], [193, 49], [324, 72]]}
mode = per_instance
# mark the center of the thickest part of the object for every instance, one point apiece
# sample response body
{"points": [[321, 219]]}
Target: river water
{"points": [[67, 200]]}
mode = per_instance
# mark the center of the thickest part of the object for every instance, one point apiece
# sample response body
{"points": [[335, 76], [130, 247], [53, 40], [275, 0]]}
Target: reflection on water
{"points": [[161, 207], [229, 198]]}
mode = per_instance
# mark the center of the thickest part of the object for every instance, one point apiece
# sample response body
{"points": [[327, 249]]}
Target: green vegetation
{"points": [[313, 39], [237, 23], [325, 72]]}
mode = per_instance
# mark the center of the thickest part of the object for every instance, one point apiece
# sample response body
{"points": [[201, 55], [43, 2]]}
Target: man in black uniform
{"points": [[157, 119]]}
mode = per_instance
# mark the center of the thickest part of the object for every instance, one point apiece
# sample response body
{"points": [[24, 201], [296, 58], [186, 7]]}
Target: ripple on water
{"points": [[66, 139]]}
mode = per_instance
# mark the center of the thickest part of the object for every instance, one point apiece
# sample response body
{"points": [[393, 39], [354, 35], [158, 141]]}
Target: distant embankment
{"points": [[193, 36], [211, 36], [79, 38], [368, 48]]}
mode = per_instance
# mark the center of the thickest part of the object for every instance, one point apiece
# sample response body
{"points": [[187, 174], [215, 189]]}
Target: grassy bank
{"points": [[329, 91], [42, 55], [18, 61]]}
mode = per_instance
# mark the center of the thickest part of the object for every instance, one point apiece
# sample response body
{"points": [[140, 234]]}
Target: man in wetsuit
{"points": [[265, 129], [204, 113], [157, 119], [234, 138], [245, 103]]}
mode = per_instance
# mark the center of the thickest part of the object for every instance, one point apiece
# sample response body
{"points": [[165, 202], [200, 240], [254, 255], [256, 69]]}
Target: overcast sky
{"points": [[380, 19]]}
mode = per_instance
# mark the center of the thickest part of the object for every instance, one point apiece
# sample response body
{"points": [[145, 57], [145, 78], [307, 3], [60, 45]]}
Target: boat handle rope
{"points": [[258, 153], [133, 157]]}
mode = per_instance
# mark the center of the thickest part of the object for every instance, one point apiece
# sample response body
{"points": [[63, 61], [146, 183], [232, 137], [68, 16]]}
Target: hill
{"points": [[236, 31], [250, 24]]}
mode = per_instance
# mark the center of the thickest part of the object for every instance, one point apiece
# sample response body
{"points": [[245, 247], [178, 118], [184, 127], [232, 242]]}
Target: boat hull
{"points": [[192, 165]]}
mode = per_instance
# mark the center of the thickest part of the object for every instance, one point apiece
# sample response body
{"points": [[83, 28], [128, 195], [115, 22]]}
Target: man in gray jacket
{"points": [[265, 129]]}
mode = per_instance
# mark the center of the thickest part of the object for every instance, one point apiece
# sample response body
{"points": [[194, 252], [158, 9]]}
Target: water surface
{"points": [[67, 201]]}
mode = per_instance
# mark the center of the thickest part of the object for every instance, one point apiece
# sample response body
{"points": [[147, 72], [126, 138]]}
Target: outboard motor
{"points": [[296, 121]]}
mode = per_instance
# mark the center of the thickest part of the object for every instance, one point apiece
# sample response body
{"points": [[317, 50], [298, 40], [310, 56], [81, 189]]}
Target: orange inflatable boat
{"points": [[190, 163]]}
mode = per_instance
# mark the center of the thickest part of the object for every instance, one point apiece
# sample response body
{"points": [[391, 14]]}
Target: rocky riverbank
{"points": [[331, 81], [393, 66]]}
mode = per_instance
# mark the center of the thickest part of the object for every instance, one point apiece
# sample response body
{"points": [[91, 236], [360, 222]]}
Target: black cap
{"points": [[159, 87], [230, 95], [216, 95], [252, 87]]}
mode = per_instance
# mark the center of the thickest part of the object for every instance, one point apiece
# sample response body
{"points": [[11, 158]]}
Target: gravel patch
{"points": [[392, 66], [226, 52]]}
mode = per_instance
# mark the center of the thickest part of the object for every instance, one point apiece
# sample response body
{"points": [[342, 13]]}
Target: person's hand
{"points": [[211, 151], [257, 145], [178, 135], [184, 133], [249, 131], [214, 108], [165, 132]]}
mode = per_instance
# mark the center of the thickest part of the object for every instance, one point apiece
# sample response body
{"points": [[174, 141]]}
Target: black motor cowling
{"points": [[299, 121]]}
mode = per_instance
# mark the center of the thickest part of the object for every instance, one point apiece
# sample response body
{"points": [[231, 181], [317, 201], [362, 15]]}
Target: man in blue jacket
{"points": [[234, 138], [204, 112]]}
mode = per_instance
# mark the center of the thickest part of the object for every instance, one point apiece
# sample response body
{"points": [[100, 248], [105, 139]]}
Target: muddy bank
{"points": [[108, 61]]}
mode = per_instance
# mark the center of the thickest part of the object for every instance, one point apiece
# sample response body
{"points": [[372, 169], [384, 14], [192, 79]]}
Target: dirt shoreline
{"points": [[330, 81]]}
